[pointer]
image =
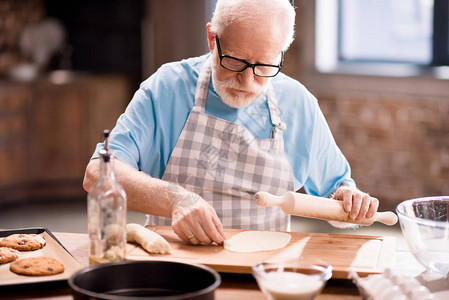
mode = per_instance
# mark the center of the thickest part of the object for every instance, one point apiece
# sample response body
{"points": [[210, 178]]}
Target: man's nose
{"points": [[246, 78]]}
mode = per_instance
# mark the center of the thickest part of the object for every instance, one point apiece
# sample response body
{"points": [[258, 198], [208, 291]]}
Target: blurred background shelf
{"points": [[49, 130]]}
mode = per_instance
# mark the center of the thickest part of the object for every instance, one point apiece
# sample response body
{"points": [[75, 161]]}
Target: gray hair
{"points": [[252, 11]]}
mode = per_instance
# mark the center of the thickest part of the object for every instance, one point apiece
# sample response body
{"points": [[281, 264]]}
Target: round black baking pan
{"points": [[145, 279]]}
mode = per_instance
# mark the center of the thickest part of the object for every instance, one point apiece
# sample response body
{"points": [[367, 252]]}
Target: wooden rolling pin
{"points": [[309, 206]]}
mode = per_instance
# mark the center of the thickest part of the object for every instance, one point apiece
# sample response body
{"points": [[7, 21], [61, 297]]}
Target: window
{"points": [[389, 32], [386, 30]]}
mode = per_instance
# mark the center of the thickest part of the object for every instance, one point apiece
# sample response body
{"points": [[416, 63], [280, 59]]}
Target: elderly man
{"points": [[202, 136]]}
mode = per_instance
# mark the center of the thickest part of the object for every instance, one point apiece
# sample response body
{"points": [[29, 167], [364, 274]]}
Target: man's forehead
{"points": [[265, 30], [239, 41]]}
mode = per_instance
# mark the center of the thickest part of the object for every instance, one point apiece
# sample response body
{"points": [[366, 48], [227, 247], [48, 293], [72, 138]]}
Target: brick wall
{"points": [[393, 131], [397, 144]]}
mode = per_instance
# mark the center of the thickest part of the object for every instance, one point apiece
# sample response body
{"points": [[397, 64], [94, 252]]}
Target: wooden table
{"points": [[234, 286]]}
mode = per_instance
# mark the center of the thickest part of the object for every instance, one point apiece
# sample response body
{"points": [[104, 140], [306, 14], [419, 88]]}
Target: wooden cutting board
{"points": [[364, 254]]}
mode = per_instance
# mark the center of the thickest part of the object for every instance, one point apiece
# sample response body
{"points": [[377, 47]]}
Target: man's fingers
{"points": [[374, 205], [219, 227], [210, 227], [181, 226], [356, 204], [345, 194], [207, 224], [180, 233], [192, 228], [197, 224], [347, 200], [365, 204], [201, 234], [359, 205]]}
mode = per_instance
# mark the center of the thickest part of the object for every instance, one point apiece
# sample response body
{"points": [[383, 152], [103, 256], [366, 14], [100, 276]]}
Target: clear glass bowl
{"points": [[425, 225], [292, 279]]}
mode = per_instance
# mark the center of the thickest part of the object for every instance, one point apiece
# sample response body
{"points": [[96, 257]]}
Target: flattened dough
{"points": [[253, 241]]}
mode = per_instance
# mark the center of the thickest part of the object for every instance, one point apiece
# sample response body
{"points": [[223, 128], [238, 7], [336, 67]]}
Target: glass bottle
{"points": [[106, 213]]}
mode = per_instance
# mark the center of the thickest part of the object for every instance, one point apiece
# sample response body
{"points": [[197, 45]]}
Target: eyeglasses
{"points": [[239, 65]]}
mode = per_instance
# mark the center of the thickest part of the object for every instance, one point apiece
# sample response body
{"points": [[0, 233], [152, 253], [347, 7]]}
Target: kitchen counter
{"points": [[234, 286]]}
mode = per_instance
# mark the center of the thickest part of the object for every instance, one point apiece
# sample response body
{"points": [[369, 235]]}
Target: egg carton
{"points": [[390, 286]]}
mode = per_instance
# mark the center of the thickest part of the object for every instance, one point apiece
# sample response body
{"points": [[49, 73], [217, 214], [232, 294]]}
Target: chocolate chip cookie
{"points": [[23, 242], [8, 255], [37, 266]]}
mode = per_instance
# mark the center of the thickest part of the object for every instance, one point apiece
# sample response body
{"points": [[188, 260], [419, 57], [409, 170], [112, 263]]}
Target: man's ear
{"points": [[210, 37]]}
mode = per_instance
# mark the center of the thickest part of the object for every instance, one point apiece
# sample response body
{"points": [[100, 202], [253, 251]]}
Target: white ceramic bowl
{"points": [[425, 225], [292, 279]]}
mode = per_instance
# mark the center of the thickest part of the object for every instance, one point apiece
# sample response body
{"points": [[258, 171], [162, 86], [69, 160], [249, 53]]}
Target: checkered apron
{"points": [[224, 164]]}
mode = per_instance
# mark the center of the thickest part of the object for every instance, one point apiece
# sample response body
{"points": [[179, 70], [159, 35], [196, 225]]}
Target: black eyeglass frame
{"points": [[247, 64]]}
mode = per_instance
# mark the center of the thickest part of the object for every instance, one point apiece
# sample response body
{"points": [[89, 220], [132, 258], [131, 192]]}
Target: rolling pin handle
{"points": [[266, 199], [260, 198], [387, 217]]}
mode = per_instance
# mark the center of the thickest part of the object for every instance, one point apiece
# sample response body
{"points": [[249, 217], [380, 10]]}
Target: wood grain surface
{"points": [[364, 254]]}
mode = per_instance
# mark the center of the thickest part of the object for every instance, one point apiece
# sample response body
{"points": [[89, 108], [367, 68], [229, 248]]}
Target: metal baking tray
{"points": [[53, 248]]}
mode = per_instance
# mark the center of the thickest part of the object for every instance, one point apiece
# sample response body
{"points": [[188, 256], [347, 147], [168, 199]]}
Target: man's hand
{"points": [[357, 203], [195, 221]]}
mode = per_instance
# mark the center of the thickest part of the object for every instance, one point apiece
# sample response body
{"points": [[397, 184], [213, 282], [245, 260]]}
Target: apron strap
{"points": [[275, 113], [273, 106], [202, 86]]}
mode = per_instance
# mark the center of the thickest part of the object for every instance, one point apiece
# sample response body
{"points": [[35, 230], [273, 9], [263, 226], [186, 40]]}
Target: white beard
{"points": [[235, 101]]}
